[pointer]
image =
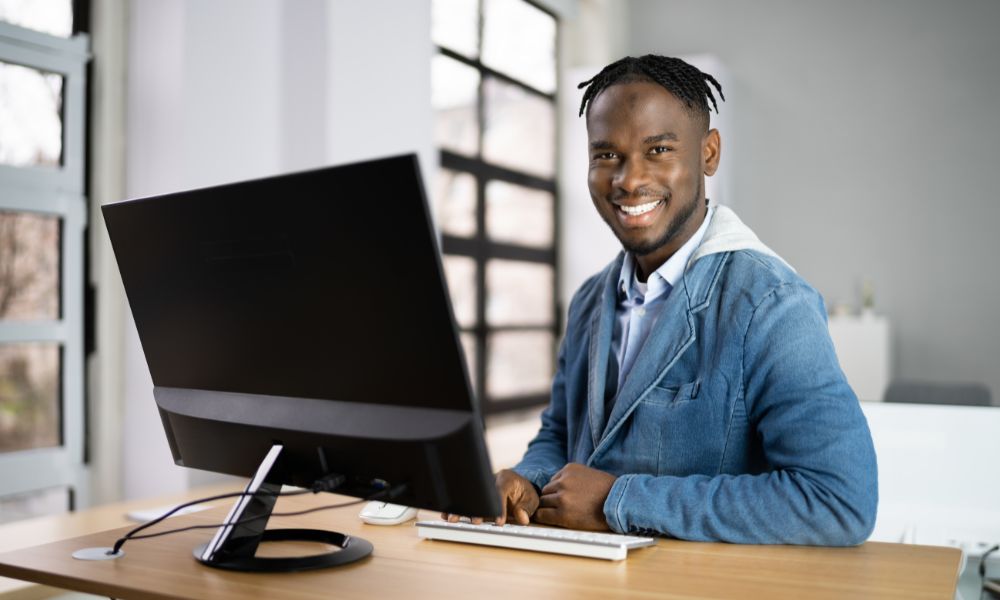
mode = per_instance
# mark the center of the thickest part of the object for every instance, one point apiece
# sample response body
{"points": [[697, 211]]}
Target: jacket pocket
{"points": [[667, 394], [679, 430], [646, 434]]}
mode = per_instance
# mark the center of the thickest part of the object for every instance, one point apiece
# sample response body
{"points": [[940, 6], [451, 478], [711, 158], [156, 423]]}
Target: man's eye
{"points": [[660, 149], [604, 156]]}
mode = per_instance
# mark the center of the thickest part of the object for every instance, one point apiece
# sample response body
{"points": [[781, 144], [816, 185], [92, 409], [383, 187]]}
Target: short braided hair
{"points": [[685, 82]]}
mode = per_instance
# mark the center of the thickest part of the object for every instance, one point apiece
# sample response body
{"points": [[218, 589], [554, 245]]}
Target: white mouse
{"points": [[384, 513]]}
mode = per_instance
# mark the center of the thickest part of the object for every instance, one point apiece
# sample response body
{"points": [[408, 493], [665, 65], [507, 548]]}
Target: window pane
{"points": [[51, 501], [29, 266], [520, 129], [519, 293], [520, 40], [29, 396], [519, 215], [30, 116], [48, 16], [455, 25], [469, 346], [456, 203], [454, 89], [520, 363], [461, 274]]}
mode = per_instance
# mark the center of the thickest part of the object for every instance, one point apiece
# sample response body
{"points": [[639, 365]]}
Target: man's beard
{"points": [[673, 229]]}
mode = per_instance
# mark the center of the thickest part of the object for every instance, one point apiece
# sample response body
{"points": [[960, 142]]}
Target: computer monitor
{"points": [[303, 322]]}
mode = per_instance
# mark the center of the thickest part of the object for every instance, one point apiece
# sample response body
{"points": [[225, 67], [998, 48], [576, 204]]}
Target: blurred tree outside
{"points": [[29, 372]]}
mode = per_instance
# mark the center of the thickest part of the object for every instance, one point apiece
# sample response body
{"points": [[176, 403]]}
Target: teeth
{"points": [[638, 210]]}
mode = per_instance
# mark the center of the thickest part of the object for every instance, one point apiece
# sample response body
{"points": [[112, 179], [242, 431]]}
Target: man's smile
{"points": [[638, 215]]}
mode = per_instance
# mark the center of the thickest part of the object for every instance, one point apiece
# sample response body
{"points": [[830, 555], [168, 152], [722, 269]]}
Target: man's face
{"points": [[648, 158]]}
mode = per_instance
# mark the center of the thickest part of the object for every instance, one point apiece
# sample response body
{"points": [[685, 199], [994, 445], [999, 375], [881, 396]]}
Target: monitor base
{"points": [[351, 549], [235, 543]]}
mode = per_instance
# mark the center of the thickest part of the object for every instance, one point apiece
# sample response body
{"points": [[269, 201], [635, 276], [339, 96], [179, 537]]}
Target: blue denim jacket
{"points": [[735, 424]]}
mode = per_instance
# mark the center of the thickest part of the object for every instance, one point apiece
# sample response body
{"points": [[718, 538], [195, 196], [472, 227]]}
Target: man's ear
{"points": [[711, 150]]}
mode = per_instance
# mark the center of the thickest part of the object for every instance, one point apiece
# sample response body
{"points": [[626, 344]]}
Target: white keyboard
{"points": [[608, 546]]}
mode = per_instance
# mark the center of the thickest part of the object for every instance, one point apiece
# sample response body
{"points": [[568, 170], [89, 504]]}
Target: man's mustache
{"points": [[644, 192]]}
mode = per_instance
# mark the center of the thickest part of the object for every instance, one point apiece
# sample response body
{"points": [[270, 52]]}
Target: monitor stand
{"points": [[234, 545]]}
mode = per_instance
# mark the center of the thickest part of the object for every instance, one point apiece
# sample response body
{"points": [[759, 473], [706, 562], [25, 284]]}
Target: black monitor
{"points": [[304, 319]]}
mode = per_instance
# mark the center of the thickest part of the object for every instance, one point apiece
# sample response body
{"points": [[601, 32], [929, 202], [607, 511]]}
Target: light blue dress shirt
{"points": [[640, 304]]}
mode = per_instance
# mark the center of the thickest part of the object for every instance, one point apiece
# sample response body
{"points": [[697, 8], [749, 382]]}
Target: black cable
{"points": [[131, 535], [257, 518], [121, 541]]}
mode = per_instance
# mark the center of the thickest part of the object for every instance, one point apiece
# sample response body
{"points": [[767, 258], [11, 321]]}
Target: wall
{"points": [[234, 89], [867, 142]]}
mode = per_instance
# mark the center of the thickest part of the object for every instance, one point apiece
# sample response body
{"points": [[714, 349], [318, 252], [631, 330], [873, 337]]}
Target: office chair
{"points": [[926, 392]]}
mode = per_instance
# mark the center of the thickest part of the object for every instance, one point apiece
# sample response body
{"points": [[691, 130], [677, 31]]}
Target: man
{"points": [[698, 394]]}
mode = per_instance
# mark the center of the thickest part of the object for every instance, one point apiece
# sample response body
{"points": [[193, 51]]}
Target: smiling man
{"points": [[698, 394]]}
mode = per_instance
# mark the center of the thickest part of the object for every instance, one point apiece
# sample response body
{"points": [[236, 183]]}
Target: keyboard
{"points": [[609, 546]]}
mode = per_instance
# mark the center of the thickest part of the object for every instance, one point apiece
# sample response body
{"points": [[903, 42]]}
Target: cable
{"points": [[325, 484], [121, 541], [257, 518]]}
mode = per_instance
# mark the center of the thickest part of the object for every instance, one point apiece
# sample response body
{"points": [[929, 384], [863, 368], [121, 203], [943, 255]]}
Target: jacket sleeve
{"points": [[822, 487], [547, 453]]}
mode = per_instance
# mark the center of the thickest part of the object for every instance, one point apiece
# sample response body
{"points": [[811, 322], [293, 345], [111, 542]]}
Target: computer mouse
{"points": [[385, 513]]}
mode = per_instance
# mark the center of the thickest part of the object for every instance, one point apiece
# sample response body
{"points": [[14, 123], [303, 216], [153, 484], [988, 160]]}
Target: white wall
{"points": [[235, 89], [867, 140], [379, 81]]}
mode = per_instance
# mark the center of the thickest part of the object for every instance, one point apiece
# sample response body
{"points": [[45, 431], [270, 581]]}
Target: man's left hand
{"points": [[574, 498]]}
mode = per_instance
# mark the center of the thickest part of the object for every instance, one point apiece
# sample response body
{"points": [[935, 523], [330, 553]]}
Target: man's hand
{"points": [[574, 498], [518, 499]]}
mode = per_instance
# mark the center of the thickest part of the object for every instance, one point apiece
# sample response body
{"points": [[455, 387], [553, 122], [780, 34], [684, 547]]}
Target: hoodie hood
{"points": [[727, 233]]}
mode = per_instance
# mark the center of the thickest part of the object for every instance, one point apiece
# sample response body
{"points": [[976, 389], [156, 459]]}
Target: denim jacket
{"points": [[735, 423]]}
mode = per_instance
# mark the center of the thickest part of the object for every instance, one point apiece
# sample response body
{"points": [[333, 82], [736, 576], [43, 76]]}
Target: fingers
{"points": [[548, 516], [503, 511], [554, 485], [518, 499], [456, 518], [513, 507], [548, 500]]}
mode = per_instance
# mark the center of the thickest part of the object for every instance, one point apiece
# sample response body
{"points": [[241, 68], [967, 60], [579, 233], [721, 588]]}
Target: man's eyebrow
{"points": [[663, 137], [601, 145]]}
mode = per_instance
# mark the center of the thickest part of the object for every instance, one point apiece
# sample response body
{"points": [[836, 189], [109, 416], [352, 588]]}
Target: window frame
{"points": [[57, 192], [480, 247]]}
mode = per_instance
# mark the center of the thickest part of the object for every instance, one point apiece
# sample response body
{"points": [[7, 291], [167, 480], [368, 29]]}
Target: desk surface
{"points": [[163, 568]]}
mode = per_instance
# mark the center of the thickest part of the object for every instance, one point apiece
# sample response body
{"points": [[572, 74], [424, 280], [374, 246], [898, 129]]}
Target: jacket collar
{"points": [[601, 328]]}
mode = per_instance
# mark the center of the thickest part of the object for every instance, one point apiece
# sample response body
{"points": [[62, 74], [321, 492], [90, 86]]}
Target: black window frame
{"points": [[481, 248]]}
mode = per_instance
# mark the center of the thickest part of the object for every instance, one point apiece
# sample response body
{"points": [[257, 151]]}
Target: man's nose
{"points": [[632, 175]]}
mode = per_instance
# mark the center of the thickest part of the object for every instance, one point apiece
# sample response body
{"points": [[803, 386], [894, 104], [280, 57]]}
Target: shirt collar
{"points": [[664, 278]]}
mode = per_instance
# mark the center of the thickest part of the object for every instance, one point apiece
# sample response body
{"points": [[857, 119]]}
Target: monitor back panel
{"points": [[324, 284]]}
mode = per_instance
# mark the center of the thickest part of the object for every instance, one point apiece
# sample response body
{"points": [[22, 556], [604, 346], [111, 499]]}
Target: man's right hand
{"points": [[518, 499]]}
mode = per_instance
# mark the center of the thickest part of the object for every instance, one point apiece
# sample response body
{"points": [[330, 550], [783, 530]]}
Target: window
{"points": [[493, 92], [42, 221]]}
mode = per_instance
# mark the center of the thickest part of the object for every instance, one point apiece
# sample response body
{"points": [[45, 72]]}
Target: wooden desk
{"points": [[42, 530], [405, 566]]}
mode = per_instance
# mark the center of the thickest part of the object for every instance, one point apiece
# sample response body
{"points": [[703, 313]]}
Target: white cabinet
{"points": [[862, 344]]}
